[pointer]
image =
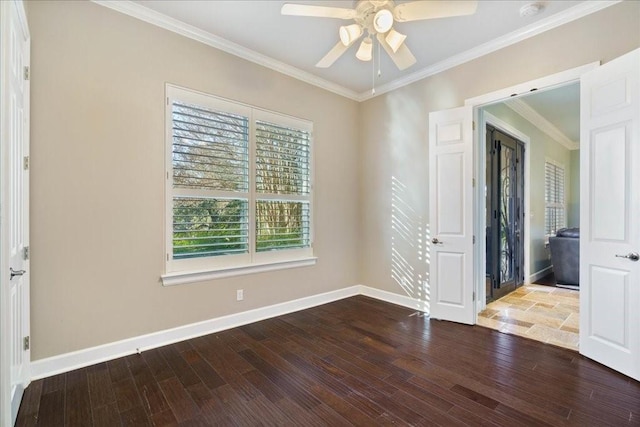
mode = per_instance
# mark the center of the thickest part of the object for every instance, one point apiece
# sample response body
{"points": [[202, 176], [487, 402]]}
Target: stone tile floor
{"points": [[542, 313]]}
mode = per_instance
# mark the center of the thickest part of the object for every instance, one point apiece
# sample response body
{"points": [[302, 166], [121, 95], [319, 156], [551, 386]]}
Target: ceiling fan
{"points": [[376, 18]]}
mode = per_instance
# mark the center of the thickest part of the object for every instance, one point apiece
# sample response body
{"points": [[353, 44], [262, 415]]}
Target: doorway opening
{"points": [[523, 210], [504, 211]]}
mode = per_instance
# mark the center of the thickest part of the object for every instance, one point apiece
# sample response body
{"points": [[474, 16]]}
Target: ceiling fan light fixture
{"points": [[383, 20], [365, 51], [350, 33], [377, 18], [395, 39]]}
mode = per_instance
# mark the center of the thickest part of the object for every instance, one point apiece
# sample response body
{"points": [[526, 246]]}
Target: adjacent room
{"points": [[301, 212], [533, 201]]}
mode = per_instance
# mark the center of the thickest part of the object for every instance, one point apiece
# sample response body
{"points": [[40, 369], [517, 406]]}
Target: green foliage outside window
{"points": [[209, 227]]}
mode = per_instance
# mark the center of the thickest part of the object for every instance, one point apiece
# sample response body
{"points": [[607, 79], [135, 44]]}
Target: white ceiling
{"points": [[555, 112], [257, 30], [561, 107]]}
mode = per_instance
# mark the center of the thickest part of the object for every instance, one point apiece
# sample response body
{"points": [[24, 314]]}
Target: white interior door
{"points": [[14, 209], [610, 215], [450, 208]]}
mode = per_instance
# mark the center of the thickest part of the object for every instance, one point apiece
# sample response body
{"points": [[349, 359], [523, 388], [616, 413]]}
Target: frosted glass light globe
{"points": [[383, 20]]}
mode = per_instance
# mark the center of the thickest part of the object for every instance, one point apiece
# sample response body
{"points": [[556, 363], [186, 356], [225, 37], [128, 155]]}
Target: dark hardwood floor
{"points": [[355, 361]]}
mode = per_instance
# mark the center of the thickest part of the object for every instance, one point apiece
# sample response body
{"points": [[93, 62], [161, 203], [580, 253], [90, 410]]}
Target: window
{"points": [[554, 218], [238, 185]]}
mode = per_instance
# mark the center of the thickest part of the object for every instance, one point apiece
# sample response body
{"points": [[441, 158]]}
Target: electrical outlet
{"points": [[239, 294]]}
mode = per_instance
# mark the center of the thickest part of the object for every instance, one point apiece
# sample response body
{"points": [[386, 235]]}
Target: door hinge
{"points": [[25, 253], [26, 73], [473, 182], [473, 296], [474, 240], [25, 163], [473, 125], [26, 343]]}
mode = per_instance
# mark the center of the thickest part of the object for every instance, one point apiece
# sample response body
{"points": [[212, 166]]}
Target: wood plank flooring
{"points": [[357, 361]]}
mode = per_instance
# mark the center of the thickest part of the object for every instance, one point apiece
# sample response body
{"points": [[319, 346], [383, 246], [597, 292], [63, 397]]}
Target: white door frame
{"points": [[519, 90]]}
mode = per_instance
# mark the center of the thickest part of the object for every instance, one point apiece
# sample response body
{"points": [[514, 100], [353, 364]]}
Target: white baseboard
{"points": [[90, 356], [540, 274], [397, 299]]}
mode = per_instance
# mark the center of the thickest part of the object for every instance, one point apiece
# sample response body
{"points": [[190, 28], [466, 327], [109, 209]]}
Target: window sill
{"points": [[181, 277]]}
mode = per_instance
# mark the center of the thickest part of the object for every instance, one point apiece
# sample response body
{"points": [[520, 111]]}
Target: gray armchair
{"points": [[565, 256]]}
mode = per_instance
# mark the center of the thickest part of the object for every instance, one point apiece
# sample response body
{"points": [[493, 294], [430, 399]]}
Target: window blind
{"points": [[210, 154], [282, 159], [209, 227], [210, 149], [282, 224], [282, 171], [554, 198], [239, 184]]}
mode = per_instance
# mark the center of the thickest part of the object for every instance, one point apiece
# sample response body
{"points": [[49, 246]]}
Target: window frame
{"points": [[210, 267], [562, 205]]}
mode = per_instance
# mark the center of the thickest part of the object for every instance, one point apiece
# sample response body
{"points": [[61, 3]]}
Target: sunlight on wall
{"points": [[408, 245]]}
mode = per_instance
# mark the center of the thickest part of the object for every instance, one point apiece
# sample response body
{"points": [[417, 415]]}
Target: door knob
{"points": [[435, 241], [633, 256], [15, 273]]}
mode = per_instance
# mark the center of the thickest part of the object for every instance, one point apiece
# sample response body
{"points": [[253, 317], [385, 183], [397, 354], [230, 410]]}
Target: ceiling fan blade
{"points": [[331, 57], [403, 58], [417, 10], [317, 11]]}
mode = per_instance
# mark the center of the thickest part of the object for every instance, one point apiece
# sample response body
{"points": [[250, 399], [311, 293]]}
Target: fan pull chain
{"points": [[373, 68], [379, 72]]}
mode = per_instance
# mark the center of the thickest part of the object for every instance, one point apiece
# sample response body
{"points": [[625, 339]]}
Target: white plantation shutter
{"points": [[283, 184], [238, 184], [282, 225], [554, 198], [210, 149], [282, 160], [210, 157], [209, 227]]}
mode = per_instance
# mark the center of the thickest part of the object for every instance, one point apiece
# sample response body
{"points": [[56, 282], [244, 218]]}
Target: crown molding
{"points": [[576, 12], [155, 18], [528, 113]]}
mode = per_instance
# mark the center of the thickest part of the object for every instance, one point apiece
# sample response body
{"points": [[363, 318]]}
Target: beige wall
{"points": [[394, 129], [97, 167], [540, 148], [97, 115]]}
